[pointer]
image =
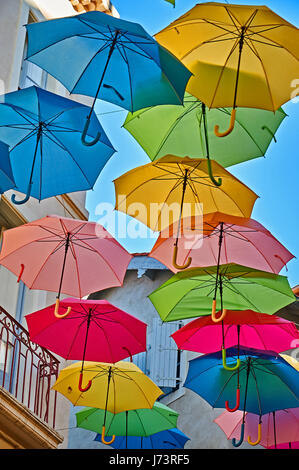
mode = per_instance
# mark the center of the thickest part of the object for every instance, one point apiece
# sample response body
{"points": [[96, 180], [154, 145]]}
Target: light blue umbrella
{"points": [[6, 177], [47, 157], [169, 439], [115, 60]]}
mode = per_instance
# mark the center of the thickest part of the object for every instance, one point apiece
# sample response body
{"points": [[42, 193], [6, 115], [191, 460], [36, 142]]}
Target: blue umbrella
{"points": [[169, 439], [47, 157], [6, 177], [263, 383], [115, 60]]}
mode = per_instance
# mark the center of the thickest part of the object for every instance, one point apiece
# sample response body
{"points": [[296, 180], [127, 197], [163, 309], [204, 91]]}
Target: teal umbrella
{"points": [[189, 130], [108, 58]]}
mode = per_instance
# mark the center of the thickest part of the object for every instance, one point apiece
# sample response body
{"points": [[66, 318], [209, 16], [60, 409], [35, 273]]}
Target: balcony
{"points": [[27, 403]]}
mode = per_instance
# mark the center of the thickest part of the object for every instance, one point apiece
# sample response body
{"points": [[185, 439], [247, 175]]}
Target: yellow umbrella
{"points": [[116, 387], [163, 192], [240, 55]]}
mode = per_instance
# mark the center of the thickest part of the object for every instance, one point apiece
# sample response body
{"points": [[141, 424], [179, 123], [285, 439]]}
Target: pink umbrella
{"points": [[251, 329], [278, 427], [64, 255], [221, 239], [94, 330]]}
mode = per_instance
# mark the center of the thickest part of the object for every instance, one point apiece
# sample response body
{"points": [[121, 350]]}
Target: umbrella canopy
{"points": [[95, 330], [263, 383], [6, 176], [43, 131], [64, 255], [222, 239], [173, 188], [115, 387], [240, 55], [247, 328], [278, 427], [182, 130], [169, 439], [139, 422], [115, 60], [196, 292]]}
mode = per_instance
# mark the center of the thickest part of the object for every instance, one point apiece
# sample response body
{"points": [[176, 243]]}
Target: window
{"points": [[31, 74]]}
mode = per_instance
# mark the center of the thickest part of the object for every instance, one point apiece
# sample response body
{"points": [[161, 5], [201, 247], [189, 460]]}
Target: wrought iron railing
{"points": [[27, 370]]}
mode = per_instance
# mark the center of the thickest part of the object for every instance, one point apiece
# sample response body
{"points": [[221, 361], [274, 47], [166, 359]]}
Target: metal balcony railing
{"points": [[27, 370]]}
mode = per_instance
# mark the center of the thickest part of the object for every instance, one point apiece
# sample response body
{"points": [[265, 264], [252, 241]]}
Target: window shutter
{"points": [[163, 354]]}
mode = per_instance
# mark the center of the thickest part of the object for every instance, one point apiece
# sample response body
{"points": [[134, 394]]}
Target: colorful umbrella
{"points": [[263, 383], [115, 60], [43, 131], [172, 188], [240, 55], [221, 239], [189, 130], [278, 427], [197, 292], [169, 439], [250, 329], [95, 330], [6, 176], [116, 388], [139, 422], [87, 257]]}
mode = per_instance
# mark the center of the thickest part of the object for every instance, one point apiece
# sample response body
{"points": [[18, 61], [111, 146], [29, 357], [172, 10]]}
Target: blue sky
{"points": [[274, 178]]}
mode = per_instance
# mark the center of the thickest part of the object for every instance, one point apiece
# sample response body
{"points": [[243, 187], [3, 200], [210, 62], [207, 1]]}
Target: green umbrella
{"points": [[196, 292], [141, 422], [189, 130]]}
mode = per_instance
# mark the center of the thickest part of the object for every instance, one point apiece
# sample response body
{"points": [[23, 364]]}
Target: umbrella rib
{"points": [[141, 422], [253, 49], [43, 265], [106, 337], [106, 261], [256, 247], [176, 185], [232, 287], [129, 73], [75, 337], [24, 139], [105, 46]]}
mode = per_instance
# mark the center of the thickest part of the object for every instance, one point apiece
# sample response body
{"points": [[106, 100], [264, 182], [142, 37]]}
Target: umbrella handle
{"points": [[103, 437], [237, 444], [128, 351], [84, 133], [226, 367], [57, 315], [83, 389], [266, 128], [259, 436], [217, 183], [21, 272], [26, 198], [213, 314], [174, 258], [231, 125], [231, 410]]}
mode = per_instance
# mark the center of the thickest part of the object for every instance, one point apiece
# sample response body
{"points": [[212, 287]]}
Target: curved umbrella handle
{"points": [[103, 437], [237, 444], [213, 314], [217, 183], [83, 389], [128, 351], [57, 315], [174, 258], [231, 125], [226, 367], [26, 198], [21, 272], [84, 133], [259, 436], [270, 132], [231, 410]]}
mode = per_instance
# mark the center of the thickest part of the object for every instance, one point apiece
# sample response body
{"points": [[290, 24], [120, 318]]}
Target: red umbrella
{"points": [[251, 329], [64, 255], [94, 330]]}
